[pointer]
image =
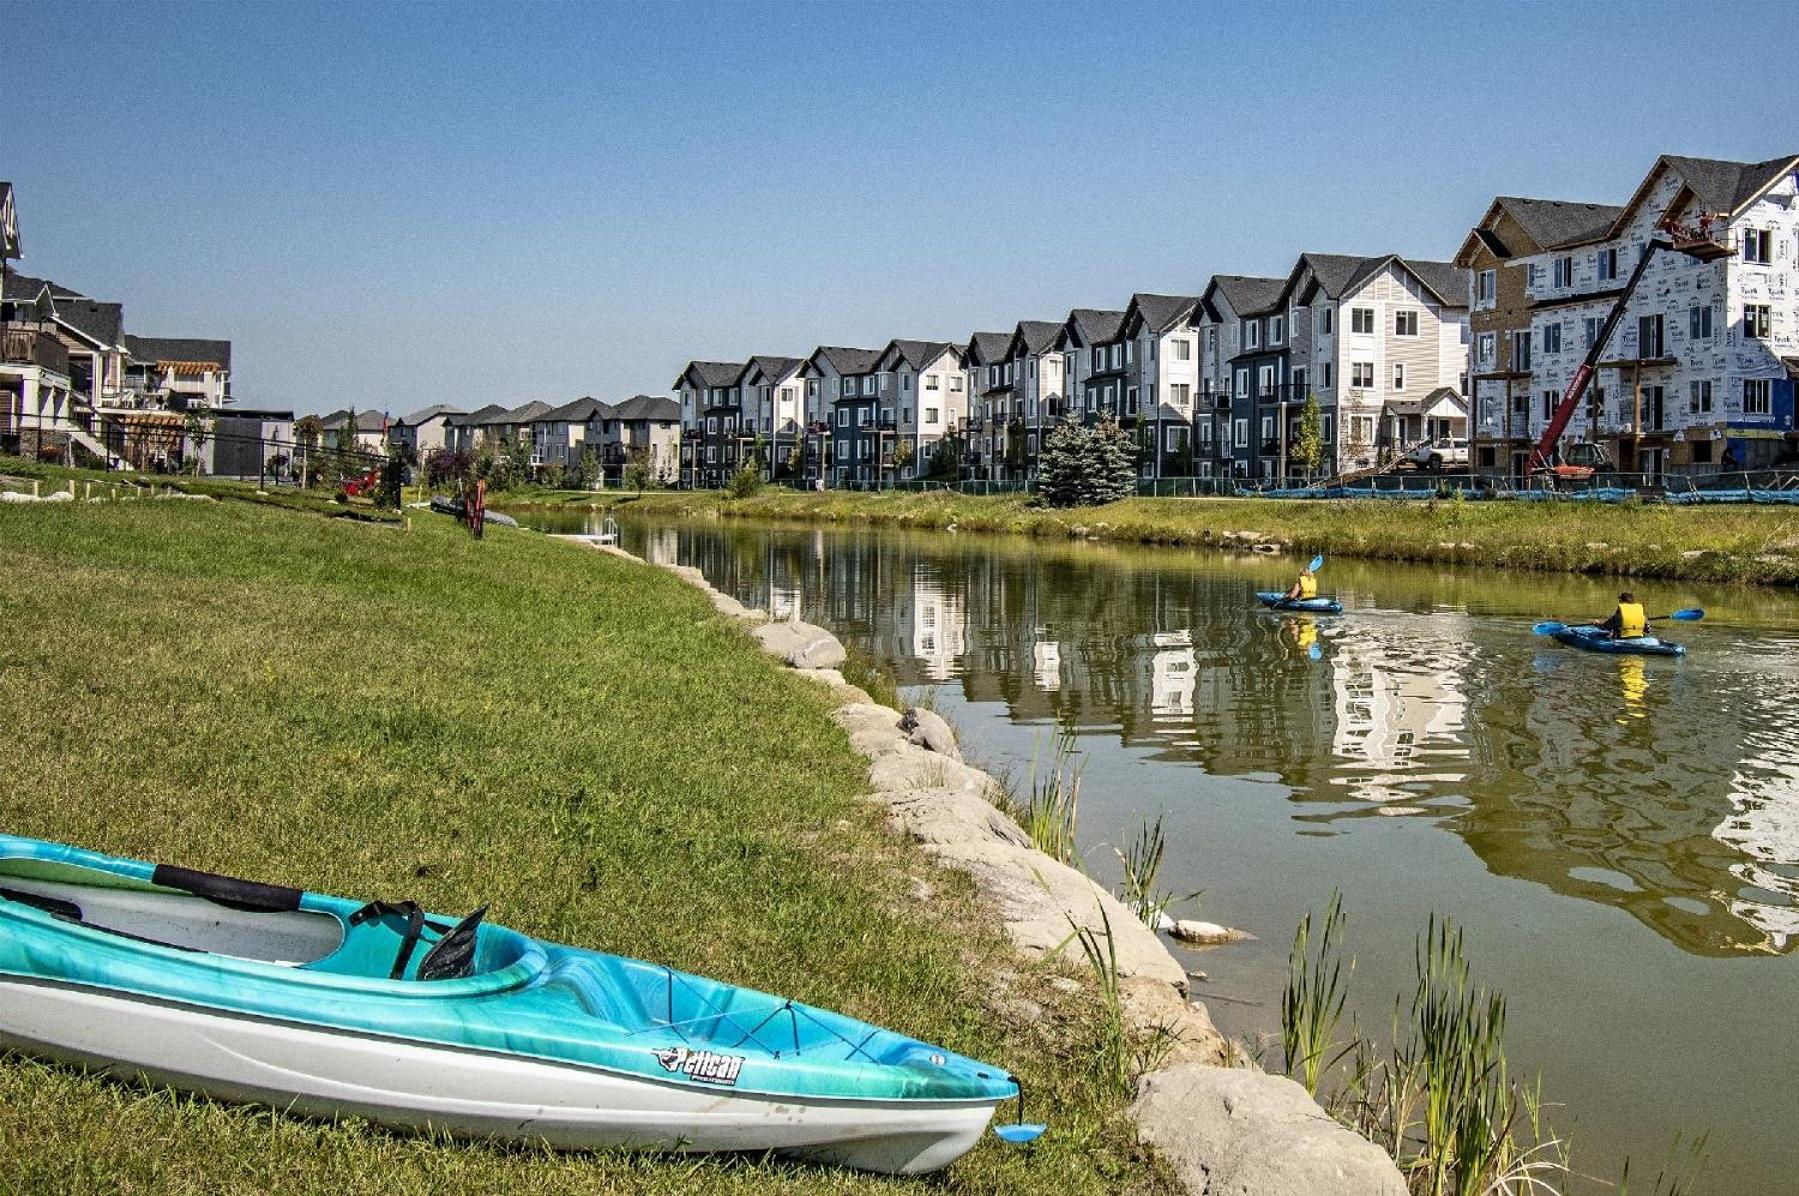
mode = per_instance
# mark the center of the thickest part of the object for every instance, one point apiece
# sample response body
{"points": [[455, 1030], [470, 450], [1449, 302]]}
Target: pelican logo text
{"points": [[705, 1066]]}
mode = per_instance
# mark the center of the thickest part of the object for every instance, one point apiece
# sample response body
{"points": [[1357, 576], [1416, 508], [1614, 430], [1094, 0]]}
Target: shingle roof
{"points": [[366, 421], [1337, 274], [847, 361], [1723, 186], [24, 286], [1448, 280], [1037, 335], [164, 348], [775, 369], [427, 413], [917, 354], [519, 415], [1097, 327], [988, 347], [1248, 295], [713, 373], [1420, 406], [471, 419], [1162, 312], [577, 412], [1553, 222], [100, 322], [655, 408]]}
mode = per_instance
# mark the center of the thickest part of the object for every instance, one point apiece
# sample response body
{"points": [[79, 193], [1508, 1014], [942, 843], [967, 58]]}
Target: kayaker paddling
{"points": [[1629, 621], [1305, 587]]}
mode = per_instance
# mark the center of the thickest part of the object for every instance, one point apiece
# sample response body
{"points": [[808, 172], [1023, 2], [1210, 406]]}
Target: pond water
{"points": [[1619, 836]]}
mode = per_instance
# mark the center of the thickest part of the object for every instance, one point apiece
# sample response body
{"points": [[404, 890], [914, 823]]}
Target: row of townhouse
{"points": [[70, 375], [1698, 374], [558, 436]]}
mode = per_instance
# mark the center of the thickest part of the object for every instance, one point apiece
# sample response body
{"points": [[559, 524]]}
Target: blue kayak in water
{"points": [[382, 1010], [1597, 639], [1275, 600]]}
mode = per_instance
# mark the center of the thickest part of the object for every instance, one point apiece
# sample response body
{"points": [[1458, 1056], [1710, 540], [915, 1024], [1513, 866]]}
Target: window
{"points": [[1116, 359], [711, 454], [1252, 334], [1130, 351], [1699, 398], [1757, 396], [1550, 398], [1649, 336], [1564, 272], [1399, 375], [1180, 394], [955, 383], [1361, 374], [1521, 350], [1205, 431], [868, 384], [1242, 384], [1325, 315], [930, 382], [1405, 323], [1758, 246], [1552, 338], [1324, 375], [1488, 284], [1328, 426], [843, 417], [1758, 320], [1130, 400], [849, 386], [930, 416], [1098, 359], [812, 388], [1361, 319], [1521, 403], [1590, 331], [906, 383], [1267, 428], [1484, 348], [1702, 452], [712, 424], [1699, 323], [1183, 349], [1240, 432], [905, 415], [1173, 438], [1277, 329], [1608, 265], [1030, 368]]}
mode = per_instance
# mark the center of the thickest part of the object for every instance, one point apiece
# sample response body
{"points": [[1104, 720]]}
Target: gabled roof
{"points": [[1095, 327], [774, 370], [474, 419], [845, 361], [1338, 274], [520, 415], [1422, 406], [1159, 312], [708, 374], [366, 421], [655, 408], [1035, 336], [25, 287], [1247, 294], [101, 323], [425, 414], [1727, 187], [917, 354], [577, 412], [1544, 223], [147, 349], [985, 348]]}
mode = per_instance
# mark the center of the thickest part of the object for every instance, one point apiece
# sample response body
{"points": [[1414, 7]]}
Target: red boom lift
{"points": [[1587, 458]]}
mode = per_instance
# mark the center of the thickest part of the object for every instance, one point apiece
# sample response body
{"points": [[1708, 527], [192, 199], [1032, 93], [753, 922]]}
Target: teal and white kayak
{"points": [[334, 1007]]}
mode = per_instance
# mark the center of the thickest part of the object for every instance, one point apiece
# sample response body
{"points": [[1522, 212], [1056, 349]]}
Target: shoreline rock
{"points": [[1224, 1129]]}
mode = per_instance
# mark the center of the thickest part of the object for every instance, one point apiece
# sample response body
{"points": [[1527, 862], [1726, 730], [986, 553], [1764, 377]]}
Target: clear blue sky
{"points": [[387, 206]]}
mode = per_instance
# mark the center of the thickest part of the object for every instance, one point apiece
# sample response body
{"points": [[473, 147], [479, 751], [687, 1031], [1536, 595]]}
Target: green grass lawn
{"points": [[387, 713], [1705, 543]]}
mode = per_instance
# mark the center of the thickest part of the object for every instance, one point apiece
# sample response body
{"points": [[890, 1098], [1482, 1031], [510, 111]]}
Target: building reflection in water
{"points": [[1649, 785]]}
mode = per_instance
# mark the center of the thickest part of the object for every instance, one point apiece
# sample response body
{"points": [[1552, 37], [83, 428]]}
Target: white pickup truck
{"points": [[1441, 453]]}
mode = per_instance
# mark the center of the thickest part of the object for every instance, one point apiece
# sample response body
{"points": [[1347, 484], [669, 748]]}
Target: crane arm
{"points": [[1583, 377]]}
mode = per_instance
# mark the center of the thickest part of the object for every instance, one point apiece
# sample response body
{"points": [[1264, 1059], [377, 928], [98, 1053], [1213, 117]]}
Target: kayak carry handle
{"points": [[1020, 1131]]}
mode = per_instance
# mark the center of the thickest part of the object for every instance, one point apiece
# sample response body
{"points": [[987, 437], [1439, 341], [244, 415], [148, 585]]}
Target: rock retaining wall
{"points": [[1250, 1136]]}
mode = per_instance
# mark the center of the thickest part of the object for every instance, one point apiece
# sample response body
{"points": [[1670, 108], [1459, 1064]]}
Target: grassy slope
{"points": [[1732, 543], [380, 713]]}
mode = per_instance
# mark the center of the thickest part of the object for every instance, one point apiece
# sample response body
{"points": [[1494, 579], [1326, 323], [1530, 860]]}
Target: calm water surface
{"points": [[1618, 835]]}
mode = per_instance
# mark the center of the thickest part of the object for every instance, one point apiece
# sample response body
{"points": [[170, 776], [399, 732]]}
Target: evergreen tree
{"points": [[1063, 464], [1308, 449], [1114, 459]]}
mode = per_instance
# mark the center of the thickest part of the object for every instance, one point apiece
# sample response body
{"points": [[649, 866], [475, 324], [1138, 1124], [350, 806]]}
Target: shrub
{"points": [[747, 481], [447, 467]]}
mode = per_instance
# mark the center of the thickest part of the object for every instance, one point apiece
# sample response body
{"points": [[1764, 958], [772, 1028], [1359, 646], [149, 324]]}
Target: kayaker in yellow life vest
{"points": [[1628, 622], [1305, 587]]}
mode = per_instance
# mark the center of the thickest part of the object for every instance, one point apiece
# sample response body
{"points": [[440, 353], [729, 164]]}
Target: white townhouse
{"points": [[1700, 371], [923, 388], [1163, 379], [424, 432], [1040, 389], [774, 407], [1382, 342]]}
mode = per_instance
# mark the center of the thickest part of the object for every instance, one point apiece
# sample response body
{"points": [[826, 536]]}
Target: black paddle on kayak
{"points": [[1690, 615]]}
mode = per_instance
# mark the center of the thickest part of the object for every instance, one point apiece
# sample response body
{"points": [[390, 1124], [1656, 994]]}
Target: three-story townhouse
{"points": [[649, 425], [923, 391], [1390, 358], [1163, 380], [1098, 361], [559, 436], [987, 370], [711, 406], [848, 380], [1231, 319], [1699, 372], [774, 412], [1041, 371], [1514, 230]]}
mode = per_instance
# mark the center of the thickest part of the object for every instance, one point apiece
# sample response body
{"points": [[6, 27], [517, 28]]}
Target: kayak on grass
{"points": [[1597, 639], [334, 1007], [1275, 600]]}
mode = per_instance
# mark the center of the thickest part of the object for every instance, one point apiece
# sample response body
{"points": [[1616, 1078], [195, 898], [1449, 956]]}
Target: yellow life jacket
{"points": [[1308, 586], [1632, 622]]}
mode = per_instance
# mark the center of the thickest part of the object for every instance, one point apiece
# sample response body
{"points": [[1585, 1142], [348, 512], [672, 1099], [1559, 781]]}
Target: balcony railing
{"points": [[33, 346]]}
